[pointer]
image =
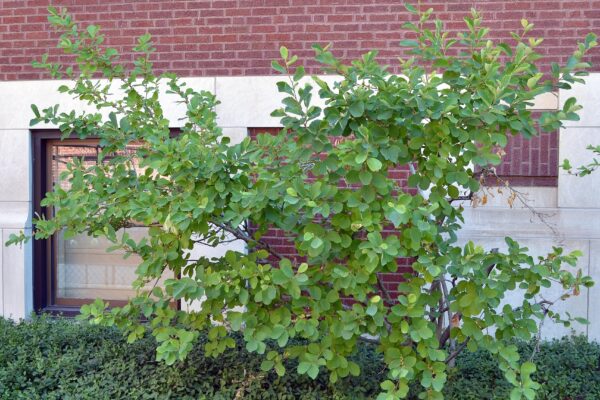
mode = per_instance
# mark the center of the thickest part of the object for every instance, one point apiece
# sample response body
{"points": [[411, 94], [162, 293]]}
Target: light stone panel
{"points": [[245, 101], [546, 101], [16, 277], [588, 96], [575, 191], [15, 165], [594, 298], [17, 97], [498, 197], [248, 102], [235, 134], [548, 223], [15, 214]]}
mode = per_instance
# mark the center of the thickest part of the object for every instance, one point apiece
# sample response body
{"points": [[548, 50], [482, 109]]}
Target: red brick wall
{"points": [[532, 162], [241, 37]]}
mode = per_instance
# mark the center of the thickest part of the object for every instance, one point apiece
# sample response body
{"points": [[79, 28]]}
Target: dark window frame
{"points": [[43, 249], [44, 264]]}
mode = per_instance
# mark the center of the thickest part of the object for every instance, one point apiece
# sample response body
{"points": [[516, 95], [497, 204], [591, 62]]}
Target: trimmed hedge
{"points": [[48, 358]]}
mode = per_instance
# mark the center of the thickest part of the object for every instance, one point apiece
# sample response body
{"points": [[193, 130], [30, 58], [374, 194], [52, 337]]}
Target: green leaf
{"points": [[528, 368], [515, 394], [277, 67], [357, 109], [409, 43], [361, 157], [283, 51], [313, 371], [280, 369], [35, 110], [92, 30], [411, 9], [303, 367], [374, 164], [302, 268], [299, 73], [365, 177], [532, 82], [267, 365], [279, 277], [316, 243], [371, 309]]}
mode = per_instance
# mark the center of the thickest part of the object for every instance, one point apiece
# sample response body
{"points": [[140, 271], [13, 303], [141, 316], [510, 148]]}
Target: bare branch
{"points": [[446, 334], [456, 352], [383, 289], [238, 233]]}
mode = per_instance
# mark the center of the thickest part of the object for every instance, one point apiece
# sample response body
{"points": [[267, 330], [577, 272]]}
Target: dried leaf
{"points": [[455, 320]]}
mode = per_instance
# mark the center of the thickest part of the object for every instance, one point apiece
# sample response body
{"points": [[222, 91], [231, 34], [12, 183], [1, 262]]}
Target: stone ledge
{"points": [[15, 215], [246, 101], [570, 223]]}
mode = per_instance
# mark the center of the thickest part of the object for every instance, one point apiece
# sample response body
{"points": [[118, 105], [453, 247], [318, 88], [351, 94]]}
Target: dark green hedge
{"points": [[60, 359]]}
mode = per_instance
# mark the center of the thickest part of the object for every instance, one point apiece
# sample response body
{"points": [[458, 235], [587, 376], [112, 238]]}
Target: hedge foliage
{"points": [[48, 358]]}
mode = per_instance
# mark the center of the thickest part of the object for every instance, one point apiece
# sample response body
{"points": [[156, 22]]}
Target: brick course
{"points": [[240, 37]]}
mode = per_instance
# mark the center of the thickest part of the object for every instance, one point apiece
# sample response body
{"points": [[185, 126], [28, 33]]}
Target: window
{"points": [[71, 272]]}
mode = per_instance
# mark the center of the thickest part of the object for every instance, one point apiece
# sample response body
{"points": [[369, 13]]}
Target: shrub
{"points": [[61, 359], [568, 369], [451, 110], [47, 358]]}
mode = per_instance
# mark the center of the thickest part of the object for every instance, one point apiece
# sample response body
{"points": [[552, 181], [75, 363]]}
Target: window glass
{"points": [[82, 268]]}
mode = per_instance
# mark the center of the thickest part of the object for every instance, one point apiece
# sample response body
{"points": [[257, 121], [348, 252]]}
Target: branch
{"points": [[447, 310], [517, 195], [154, 285], [131, 224], [218, 243], [238, 233], [456, 352], [446, 334], [383, 290]]}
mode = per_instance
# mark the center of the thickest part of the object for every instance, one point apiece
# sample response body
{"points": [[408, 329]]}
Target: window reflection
{"points": [[83, 269]]}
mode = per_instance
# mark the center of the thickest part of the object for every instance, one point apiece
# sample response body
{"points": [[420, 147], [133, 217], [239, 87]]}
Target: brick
{"points": [[340, 18], [264, 11]]}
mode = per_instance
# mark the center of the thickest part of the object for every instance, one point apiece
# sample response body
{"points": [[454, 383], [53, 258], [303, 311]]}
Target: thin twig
{"points": [[248, 239], [458, 350]]}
